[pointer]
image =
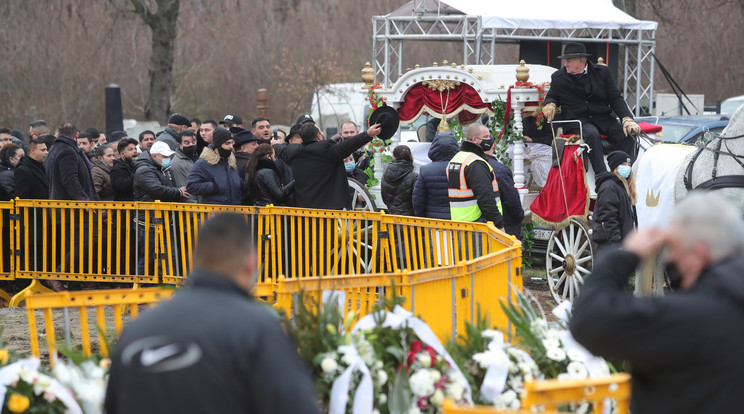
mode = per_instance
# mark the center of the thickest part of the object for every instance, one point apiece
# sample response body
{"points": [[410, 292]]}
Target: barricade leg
{"points": [[34, 288], [4, 297]]}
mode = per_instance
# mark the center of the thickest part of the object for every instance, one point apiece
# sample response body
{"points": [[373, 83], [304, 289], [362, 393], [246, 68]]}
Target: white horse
{"points": [[666, 173]]}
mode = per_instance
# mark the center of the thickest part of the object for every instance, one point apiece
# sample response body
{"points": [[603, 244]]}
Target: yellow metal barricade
{"points": [[549, 395], [7, 248], [118, 301], [446, 270]]}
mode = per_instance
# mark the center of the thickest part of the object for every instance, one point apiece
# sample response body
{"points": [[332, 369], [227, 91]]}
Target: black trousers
{"points": [[617, 139]]}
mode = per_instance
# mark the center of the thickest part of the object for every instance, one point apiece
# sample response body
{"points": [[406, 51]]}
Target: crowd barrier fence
{"points": [[445, 269], [114, 303]]}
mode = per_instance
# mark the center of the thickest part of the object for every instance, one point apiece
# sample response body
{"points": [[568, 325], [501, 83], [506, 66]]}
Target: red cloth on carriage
{"points": [[463, 101], [565, 189]]}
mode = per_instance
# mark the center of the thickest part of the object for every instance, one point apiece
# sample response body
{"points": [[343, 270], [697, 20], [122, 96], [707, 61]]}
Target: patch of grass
{"points": [[530, 272]]}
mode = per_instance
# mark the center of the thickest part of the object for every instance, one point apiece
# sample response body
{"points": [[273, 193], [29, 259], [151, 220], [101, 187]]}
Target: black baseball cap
{"points": [[304, 118], [231, 119]]}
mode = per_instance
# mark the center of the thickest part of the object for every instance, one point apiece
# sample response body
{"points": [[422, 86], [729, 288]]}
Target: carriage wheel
{"points": [[367, 203], [568, 260]]}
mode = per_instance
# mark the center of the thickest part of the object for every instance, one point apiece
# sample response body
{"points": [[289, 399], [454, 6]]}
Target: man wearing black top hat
{"points": [[588, 92], [318, 166]]}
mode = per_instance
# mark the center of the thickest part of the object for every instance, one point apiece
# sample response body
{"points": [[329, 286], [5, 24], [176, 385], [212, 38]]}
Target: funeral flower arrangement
{"points": [[77, 386], [386, 362]]}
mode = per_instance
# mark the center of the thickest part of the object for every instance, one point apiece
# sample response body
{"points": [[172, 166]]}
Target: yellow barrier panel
{"points": [[548, 395], [116, 299], [553, 393], [445, 269]]}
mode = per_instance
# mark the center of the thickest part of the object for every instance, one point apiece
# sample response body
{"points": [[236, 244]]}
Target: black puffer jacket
{"points": [[397, 187], [152, 183], [266, 186], [7, 186], [614, 216], [430, 195]]}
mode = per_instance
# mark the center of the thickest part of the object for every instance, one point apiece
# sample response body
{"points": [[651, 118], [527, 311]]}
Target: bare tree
{"points": [[163, 24]]}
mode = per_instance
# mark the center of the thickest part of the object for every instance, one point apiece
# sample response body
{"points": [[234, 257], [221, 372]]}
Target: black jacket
{"points": [[430, 198], [68, 172], [539, 136], [397, 187], [511, 206], [7, 184], [215, 180], [318, 167], [614, 216], [241, 161], [480, 179], [590, 98], [189, 356], [152, 183], [31, 180], [122, 180], [266, 187], [685, 349]]}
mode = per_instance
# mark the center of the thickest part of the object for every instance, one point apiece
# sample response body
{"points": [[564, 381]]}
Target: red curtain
{"points": [[549, 208], [419, 96]]}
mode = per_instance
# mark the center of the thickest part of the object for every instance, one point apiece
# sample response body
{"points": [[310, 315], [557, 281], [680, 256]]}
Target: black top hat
{"points": [[574, 50], [388, 119]]}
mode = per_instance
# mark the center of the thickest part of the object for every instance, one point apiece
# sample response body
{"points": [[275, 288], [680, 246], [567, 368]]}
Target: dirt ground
{"points": [[15, 329]]}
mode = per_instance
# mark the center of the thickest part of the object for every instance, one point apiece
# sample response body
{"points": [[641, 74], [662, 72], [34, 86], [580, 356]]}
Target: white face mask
{"points": [[624, 171]]}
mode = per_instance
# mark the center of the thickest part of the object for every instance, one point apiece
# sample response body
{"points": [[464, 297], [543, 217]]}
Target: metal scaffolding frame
{"points": [[430, 24]]}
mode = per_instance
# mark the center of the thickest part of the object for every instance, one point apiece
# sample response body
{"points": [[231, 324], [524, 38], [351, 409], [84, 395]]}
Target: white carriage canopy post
{"points": [[479, 25]]}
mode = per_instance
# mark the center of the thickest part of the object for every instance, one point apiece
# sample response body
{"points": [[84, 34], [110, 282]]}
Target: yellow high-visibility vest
{"points": [[463, 204]]}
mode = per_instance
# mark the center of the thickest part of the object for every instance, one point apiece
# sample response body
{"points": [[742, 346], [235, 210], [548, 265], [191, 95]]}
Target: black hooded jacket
{"points": [[397, 187], [614, 216], [430, 195], [684, 348]]}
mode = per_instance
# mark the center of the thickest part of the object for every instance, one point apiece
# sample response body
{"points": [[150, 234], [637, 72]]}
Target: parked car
{"points": [[690, 129], [732, 104]]}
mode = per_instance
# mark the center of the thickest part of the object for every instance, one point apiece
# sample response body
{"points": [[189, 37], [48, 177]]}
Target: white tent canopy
{"points": [[480, 24], [549, 14]]}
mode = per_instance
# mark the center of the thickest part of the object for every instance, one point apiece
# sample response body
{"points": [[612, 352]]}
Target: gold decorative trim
{"points": [[441, 85]]}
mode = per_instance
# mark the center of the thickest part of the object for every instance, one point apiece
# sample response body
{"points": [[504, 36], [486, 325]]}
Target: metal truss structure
{"points": [[428, 22]]}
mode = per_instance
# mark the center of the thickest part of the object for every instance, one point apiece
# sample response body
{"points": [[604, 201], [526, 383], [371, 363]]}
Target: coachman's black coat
{"points": [[589, 98]]}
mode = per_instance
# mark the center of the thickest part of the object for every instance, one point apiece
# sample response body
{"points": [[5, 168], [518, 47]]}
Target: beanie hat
{"points": [[178, 119], [220, 136], [616, 158]]}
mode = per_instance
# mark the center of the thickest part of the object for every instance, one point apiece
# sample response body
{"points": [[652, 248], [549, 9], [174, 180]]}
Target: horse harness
{"points": [[716, 182]]}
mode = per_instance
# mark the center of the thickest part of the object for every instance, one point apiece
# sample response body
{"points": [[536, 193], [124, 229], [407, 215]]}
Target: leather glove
{"points": [[630, 127], [549, 111]]}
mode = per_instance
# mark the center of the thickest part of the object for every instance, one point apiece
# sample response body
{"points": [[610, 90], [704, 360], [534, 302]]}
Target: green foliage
{"points": [[510, 135], [316, 328], [527, 244], [454, 126], [467, 345]]}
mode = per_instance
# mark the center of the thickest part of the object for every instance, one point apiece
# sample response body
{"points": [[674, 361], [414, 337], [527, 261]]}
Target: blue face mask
{"points": [[624, 171], [349, 166], [165, 163]]}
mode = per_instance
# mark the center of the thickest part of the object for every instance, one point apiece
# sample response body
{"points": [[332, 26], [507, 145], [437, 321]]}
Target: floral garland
{"points": [[540, 98], [376, 101]]}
